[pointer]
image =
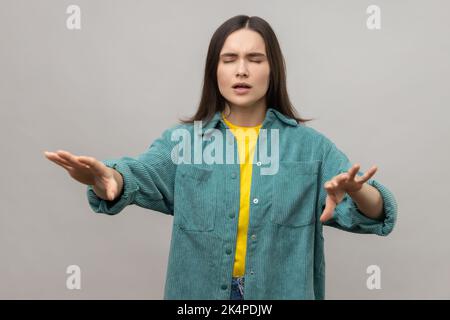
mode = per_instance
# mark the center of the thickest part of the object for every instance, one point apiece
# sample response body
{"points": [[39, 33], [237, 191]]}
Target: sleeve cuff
{"points": [[347, 214]]}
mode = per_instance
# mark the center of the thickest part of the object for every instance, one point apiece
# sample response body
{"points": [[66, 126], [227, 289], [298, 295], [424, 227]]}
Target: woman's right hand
{"points": [[89, 171]]}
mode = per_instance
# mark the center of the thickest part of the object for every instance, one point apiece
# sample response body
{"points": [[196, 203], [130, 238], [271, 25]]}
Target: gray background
{"points": [[111, 88]]}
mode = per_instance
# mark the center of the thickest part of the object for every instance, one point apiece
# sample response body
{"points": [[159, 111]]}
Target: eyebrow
{"points": [[251, 54]]}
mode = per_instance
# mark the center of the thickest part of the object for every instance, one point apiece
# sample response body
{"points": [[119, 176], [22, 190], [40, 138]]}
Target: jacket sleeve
{"points": [[148, 180], [346, 215]]}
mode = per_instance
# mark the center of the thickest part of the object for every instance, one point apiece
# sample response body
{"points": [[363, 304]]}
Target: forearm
{"points": [[369, 201]]}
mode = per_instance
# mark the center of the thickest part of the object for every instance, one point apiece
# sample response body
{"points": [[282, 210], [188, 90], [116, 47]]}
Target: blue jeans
{"points": [[237, 288]]}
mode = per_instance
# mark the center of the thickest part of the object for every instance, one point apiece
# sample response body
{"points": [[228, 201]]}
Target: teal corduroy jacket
{"points": [[285, 246]]}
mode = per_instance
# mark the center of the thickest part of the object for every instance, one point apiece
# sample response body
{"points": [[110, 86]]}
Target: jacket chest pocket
{"points": [[195, 198], [295, 188]]}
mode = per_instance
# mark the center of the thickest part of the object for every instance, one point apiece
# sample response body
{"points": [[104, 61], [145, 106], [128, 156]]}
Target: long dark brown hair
{"points": [[276, 96]]}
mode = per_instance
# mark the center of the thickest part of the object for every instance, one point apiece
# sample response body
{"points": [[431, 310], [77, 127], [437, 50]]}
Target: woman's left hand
{"points": [[338, 186]]}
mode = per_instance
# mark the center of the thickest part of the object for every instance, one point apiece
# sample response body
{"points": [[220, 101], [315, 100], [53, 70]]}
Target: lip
{"points": [[241, 91]]}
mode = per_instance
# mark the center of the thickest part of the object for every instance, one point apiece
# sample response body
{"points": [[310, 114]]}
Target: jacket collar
{"points": [[271, 115]]}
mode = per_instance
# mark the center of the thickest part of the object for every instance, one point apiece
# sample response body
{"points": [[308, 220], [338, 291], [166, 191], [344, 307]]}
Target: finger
{"points": [[61, 164], [335, 183], [93, 164], [343, 177], [73, 160], [369, 174], [53, 156], [330, 190], [353, 171], [110, 194], [329, 186], [86, 161], [327, 213]]}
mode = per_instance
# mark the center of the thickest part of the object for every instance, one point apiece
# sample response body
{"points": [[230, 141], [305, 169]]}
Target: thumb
{"points": [[110, 194], [327, 213]]}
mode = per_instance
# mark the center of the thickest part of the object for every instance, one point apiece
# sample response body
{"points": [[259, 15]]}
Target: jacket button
{"points": [[233, 175], [228, 251], [252, 272], [224, 287], [255, 201], [231, 215], [253, 236], [258, 163]]}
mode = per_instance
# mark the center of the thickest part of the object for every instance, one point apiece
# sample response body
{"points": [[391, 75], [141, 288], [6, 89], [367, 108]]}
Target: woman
{"points": [[254, 222]]}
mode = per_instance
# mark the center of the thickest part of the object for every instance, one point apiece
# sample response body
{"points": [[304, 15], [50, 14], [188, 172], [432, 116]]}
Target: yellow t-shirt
{"points": [[246, 139]]}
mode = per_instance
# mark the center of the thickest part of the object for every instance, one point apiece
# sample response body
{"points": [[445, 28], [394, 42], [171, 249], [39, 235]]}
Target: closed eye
{"points": [[251, 61]]}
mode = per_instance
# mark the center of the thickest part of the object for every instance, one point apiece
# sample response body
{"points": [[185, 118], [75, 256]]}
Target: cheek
{"points": [[222, 76], [263, 78]]}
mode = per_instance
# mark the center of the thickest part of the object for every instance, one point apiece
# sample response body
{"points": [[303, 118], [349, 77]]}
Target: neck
{"points": [[245, 116]]}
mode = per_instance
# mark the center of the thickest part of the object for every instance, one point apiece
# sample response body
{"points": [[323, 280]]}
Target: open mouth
{"points": [[241, 88]]}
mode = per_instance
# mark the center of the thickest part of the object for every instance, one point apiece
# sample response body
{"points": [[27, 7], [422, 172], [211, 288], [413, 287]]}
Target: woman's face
{"points": [[243, 59]]}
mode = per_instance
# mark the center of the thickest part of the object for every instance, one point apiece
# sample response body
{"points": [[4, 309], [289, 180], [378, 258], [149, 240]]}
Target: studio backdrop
{"points": [[106, 78]]}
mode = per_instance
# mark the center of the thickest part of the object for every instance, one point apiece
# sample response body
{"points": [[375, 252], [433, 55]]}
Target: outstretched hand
{"points": [[89, 171], [338, 186]]}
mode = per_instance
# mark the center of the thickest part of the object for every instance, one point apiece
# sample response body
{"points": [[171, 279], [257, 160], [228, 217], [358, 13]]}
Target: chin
{"points": [[243, 102], [243, 105]]}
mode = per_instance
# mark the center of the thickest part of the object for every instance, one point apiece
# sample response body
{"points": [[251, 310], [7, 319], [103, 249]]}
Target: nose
{"points": [[242, 68]]}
